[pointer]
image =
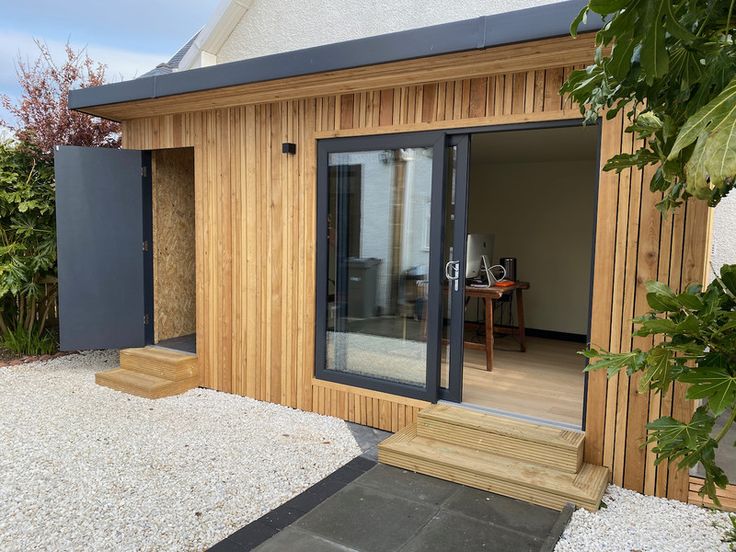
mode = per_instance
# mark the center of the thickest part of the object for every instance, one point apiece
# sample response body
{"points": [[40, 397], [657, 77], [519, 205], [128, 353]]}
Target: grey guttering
{"points": [[539, 22]]}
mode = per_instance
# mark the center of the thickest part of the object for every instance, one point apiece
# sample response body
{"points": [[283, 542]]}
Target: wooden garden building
{"points": [[410, 231]]}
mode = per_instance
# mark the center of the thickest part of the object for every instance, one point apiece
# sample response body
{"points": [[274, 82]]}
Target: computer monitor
{"points": [[478, 245]]}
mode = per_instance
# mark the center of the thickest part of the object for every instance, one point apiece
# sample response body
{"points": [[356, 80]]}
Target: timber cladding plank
{"points": [[547, 446], [255, 217], [727, 496]]}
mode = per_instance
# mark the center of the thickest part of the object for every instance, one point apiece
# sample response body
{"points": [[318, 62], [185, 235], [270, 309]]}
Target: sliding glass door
{"points": [[380, 268]]}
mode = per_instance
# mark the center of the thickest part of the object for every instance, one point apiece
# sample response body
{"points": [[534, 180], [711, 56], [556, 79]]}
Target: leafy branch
{"points": [[670, 67]]}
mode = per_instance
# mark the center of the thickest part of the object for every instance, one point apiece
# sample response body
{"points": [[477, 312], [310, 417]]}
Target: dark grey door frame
{"points": [[461, 143], [104, 233], [435, 140], [439, 140]]}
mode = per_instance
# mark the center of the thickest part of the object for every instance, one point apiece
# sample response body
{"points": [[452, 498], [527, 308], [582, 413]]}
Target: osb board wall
{"points": [[174, 302], [256, 215]]}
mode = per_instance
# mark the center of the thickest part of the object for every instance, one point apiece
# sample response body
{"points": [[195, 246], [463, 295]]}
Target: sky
{"points": [[129, 36]]}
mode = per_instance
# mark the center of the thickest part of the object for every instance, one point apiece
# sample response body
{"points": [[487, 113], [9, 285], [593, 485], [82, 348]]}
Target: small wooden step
{"points": [[490, 472], [163, 363], [144, 385], [552, 447]]}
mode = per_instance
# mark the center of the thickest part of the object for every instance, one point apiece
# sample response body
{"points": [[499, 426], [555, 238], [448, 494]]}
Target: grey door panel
{"points": [[103, 219]]}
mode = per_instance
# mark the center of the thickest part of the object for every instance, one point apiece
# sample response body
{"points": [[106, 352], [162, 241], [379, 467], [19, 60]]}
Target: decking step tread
{"points": [[159, 353], [162, 363], [519, 429], [499, 474], [547, 446], [143, 385]]}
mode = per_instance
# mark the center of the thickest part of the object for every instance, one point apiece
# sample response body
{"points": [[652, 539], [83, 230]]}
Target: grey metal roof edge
{"points": [[535, 23]]}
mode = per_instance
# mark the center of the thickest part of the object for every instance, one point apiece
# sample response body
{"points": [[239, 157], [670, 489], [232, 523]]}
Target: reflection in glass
{"points": [[379, 223]]}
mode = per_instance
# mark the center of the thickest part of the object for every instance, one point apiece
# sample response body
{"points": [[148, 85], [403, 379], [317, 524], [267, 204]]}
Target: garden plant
{"points": [[671, 66], [42, 119]]}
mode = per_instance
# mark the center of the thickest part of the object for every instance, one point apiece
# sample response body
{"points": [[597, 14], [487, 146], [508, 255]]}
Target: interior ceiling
{"points": [[578, 143]]}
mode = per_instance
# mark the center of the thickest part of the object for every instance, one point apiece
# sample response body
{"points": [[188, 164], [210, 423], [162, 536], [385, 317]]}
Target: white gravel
{"points": [[633, 522], [83, 467]]}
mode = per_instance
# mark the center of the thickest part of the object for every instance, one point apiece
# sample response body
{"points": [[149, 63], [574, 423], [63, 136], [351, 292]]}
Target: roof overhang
{"points": [[552, 20]]}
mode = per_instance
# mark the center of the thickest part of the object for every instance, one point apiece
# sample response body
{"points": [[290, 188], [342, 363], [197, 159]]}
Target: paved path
{"points": [[382, 509]]}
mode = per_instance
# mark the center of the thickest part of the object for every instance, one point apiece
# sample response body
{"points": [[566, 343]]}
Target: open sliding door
{"points": [[103, 217], [454, 262]]}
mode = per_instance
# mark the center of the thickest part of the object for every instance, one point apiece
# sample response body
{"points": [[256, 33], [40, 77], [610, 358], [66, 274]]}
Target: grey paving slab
{"points": [[368, 439], [450, 531], [392, 510], [366, 519], [503, 511], [293, 539], [410, 485]]}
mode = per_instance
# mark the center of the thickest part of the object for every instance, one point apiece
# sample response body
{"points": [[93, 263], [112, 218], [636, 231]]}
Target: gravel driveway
{"points": [[85, 467]]}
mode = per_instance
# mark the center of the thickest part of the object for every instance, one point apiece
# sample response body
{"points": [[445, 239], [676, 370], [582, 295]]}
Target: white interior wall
{"points": [[543, 214]]}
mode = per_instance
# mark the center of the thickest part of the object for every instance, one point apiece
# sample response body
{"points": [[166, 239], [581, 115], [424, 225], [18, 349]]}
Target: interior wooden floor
{"points": [[546, 382]]}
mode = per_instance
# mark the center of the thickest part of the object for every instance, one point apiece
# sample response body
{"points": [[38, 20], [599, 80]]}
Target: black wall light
{"points": [[288, 147]]}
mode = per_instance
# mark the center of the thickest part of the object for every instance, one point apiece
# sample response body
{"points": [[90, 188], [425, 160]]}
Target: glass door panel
{"points": [[378, 205]]}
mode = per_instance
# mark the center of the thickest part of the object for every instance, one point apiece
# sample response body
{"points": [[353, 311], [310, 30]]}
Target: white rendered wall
{"points": [[724, 233], [269, 27]]}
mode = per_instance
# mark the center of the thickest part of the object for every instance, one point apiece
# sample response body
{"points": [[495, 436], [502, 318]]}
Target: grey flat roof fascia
{"points": [[535, 23]]}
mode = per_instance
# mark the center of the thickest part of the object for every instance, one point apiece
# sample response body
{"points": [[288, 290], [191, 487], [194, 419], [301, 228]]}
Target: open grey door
{"points": [[103, 221]]}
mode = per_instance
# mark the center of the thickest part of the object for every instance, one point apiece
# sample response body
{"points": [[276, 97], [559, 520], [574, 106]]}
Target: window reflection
{"points": [[379, 225]]}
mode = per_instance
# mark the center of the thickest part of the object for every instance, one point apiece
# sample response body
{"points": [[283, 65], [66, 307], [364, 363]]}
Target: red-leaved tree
{"points": [[42, 114]]}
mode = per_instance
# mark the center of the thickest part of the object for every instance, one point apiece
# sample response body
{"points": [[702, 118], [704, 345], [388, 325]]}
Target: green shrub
{"points": [[27, 248], [23, 342]]}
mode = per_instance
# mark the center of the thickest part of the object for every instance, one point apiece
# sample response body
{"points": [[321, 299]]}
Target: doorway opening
{"points": [[531, 203], [174, 286]]}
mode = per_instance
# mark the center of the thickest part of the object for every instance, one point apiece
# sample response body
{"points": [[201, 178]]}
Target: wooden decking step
{"points": [[163, 363], [548, 446], [143, 385], [495, 473]]}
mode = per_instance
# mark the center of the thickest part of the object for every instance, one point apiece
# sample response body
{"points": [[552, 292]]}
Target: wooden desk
{"points": [[489, 295]]}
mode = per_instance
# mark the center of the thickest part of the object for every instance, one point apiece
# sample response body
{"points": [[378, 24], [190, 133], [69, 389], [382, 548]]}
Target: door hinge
{"points": [[146, 320], [144, 171], [145, 246]]}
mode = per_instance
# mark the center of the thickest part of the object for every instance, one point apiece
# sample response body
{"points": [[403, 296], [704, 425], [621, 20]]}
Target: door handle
{"points": [[452, 272]]}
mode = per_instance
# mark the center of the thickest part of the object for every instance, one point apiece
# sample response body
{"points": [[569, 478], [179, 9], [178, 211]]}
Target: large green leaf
{"points": [[621, 55], [710, 115], [674, 437], [608, 6], [580, 18], [658, 370], [654, 59], [728, 277], [675, 27], [660, 302], [613, 363], [720, 152], [713, 383]]}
